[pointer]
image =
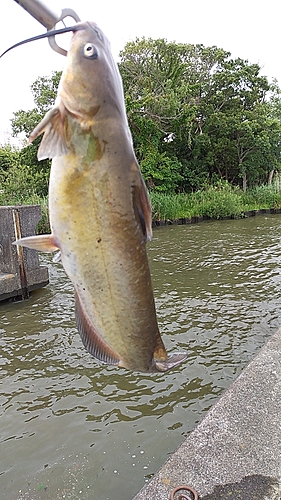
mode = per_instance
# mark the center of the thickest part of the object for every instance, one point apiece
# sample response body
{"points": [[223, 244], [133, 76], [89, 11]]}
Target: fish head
{"points": [[91, 82]]}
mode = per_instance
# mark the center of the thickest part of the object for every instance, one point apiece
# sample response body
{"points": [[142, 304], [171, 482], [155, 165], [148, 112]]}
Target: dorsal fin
{"points": [[92, 341]]}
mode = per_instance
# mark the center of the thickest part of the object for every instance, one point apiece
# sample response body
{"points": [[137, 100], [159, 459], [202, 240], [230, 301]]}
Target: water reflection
{"points": [[73, 429]]}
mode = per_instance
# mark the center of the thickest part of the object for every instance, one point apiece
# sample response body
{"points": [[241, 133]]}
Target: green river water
{"points": [[73, 429]]}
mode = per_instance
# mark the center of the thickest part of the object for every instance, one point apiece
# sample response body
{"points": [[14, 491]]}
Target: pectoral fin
{"points": [[54, 140], [42, 242], [92, 341]]}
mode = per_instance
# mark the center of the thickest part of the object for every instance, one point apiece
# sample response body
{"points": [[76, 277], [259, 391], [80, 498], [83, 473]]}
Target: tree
{"points": [[44, 91], [238, 121], [9, 156], [163, 84], [196, 116], [208, 113]]}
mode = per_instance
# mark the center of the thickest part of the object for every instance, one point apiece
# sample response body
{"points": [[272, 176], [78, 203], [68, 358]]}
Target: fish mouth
{"points": [[48, 34]]}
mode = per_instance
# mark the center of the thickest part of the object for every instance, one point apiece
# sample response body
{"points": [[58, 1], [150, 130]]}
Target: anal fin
{"points": [[94, 344]]}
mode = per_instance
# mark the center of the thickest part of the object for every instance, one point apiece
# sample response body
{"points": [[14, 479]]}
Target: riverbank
{"points": [[212, 203], [198, 218], [235, 451], [215, 202]]}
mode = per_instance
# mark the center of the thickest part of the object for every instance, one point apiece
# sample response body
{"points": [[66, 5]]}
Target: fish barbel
{"points": [[100, 212]]}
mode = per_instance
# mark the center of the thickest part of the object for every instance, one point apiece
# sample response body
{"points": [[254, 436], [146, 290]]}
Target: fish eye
{"points": [[90, 51]]}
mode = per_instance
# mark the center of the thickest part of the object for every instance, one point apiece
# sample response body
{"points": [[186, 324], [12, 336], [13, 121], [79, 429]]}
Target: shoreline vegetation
{"points": [[215, 202], [211, 203], [206, 130]]}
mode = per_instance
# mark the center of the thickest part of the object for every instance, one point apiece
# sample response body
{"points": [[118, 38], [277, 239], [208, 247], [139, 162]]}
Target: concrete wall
{"points": [[20, 270], [235, 451]]}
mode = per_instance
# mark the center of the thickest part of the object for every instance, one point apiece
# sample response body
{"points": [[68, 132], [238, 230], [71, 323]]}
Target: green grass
{"points": [[217, 202]]}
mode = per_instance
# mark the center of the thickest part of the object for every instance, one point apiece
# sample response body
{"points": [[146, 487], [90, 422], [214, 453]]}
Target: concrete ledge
{"points": [[235, 452], [20, 270]]}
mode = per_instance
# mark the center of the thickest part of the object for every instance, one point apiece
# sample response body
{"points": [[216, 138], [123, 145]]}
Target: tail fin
{"points": [[172, 360]]}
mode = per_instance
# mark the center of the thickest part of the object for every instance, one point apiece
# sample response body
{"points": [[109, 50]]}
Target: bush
{"points": [[263, 197], [215, 202]]}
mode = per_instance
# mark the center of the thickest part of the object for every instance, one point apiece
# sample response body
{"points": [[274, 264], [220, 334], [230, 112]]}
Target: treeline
{"points": [[197, 116]]}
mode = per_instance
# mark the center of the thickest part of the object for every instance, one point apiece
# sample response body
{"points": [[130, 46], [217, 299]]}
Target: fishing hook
{"points": [[49, 19], [51, 39]]}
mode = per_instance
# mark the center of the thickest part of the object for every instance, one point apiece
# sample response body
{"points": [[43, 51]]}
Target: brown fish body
{"points": [[102, 245], [99, 210]]}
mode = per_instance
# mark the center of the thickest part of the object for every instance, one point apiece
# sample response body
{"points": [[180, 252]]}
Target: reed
{"points": [[216, 202]]}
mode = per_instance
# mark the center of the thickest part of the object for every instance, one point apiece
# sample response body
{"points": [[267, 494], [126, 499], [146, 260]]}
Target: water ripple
{"points": [[70, 427]]}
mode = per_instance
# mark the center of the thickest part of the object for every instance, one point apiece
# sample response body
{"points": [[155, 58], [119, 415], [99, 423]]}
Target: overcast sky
{"points": [[246, 28]]}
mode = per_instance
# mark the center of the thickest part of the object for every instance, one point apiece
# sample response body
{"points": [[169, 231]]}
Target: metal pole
{"points": [[40, 12]]}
